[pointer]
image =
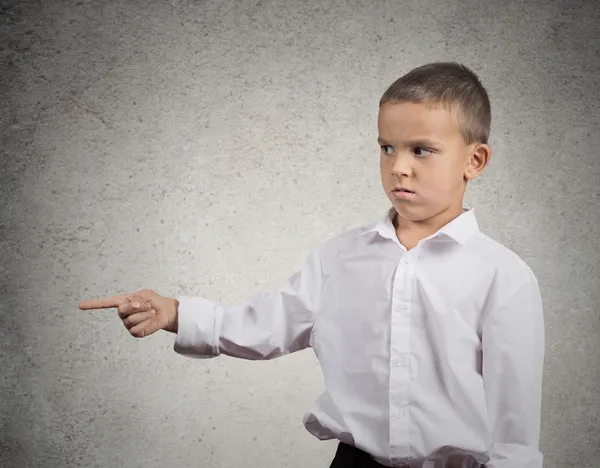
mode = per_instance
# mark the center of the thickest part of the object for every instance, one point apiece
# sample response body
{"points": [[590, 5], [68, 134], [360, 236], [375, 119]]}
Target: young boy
{"points": [[429, 333]]}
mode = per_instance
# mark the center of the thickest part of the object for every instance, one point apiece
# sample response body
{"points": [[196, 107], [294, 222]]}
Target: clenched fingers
{"points": [[137, 318], [127, 309], [147, 327]]}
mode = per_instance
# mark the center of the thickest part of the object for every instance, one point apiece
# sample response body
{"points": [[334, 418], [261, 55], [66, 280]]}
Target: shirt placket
{"points": [[400, 358]]}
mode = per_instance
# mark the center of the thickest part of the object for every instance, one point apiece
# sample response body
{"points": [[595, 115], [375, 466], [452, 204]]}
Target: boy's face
{"points": [[423, 150]]}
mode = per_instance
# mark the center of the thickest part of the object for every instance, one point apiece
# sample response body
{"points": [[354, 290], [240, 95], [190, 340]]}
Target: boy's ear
{"points": [[478, 159]]}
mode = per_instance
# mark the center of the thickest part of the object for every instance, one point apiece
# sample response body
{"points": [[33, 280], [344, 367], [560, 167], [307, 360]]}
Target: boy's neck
{"points": [[409, 232]]}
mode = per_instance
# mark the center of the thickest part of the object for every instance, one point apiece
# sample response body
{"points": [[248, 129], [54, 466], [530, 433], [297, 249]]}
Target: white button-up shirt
{"points": [[423, 352]]}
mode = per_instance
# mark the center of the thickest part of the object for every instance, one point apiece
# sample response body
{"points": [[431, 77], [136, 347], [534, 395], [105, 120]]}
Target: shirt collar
{"points": [[460, 229]]}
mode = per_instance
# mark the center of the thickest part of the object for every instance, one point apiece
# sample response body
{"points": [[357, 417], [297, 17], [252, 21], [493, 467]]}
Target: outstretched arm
{"points": [[266, 326]]}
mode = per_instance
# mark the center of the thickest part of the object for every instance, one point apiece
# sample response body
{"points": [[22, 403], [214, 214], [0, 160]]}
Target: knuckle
{"points": [[140, 325]]}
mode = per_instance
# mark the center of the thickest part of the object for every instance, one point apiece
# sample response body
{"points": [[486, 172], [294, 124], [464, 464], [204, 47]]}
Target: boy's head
{"points": [[434, 124]]}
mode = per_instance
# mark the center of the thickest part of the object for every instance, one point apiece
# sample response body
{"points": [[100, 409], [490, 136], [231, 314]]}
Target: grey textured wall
{"points": [[201, 148]]}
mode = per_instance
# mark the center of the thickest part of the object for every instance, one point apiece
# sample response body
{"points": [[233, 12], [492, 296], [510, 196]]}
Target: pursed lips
{"points": [[403, 193]]}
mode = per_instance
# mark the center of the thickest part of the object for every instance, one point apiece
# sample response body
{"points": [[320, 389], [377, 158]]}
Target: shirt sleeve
{"points": [[265, 326], [513, 341]]}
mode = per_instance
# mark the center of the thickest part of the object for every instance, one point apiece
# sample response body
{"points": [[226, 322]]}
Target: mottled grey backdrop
{"points": [[202, 148]]}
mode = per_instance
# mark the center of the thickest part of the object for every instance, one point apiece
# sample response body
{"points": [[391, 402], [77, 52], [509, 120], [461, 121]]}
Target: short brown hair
{"points": [[452, 85]]}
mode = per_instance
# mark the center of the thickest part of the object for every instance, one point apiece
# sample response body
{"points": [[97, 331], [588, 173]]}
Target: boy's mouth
{"points": [[402, 193]]}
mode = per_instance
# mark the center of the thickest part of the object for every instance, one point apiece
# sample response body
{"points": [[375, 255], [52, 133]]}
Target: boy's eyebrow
{"points": [[419, 142]]}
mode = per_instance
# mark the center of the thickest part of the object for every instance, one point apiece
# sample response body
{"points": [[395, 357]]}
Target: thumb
{"points": [[141, 297]]}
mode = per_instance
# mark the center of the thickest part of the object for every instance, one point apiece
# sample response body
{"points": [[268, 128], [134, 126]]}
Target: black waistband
{"points": [[348, 456]]}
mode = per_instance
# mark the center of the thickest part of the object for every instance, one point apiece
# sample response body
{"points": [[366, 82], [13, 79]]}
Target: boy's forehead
{"points": [[408, 118]]}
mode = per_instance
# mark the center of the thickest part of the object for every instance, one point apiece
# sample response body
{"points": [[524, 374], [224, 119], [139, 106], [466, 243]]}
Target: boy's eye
{"points": [[384, 148], [418, 148]]}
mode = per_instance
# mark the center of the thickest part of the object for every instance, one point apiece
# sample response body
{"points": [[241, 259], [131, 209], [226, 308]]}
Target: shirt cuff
{"points": [[198, 327], [514, 456]]}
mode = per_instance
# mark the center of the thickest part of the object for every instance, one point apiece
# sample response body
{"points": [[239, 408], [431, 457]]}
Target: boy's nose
{"points": [[401, 167]]}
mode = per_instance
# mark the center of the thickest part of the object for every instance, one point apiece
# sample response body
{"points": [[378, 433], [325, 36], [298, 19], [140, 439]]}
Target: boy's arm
{"points": [[513, 341], [265, 326]]}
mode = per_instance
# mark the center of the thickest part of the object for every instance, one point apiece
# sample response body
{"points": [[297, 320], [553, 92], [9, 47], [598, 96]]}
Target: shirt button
{"points": [[405, 260], [399, 363]]}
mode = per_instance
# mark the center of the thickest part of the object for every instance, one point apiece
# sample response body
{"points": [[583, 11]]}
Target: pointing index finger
{"points": [[104, 302]]}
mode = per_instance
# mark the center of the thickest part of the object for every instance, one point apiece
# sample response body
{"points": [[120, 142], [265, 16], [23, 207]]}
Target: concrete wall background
{"points": [[202, 148]]}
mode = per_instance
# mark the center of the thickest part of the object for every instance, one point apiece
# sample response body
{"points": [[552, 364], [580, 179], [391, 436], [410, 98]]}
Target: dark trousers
{"points": [[348, 456]]}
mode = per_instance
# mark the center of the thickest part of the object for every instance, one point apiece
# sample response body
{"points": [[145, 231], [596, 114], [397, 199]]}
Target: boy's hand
{"points": [[142, 313]]}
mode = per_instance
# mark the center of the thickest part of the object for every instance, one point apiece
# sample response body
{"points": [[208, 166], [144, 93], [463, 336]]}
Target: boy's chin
{"points": [[409, 210], [416, 212]]}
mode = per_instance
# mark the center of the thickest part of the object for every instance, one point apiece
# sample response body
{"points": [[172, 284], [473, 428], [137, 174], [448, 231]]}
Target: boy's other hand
{"points": [[143, 313]]}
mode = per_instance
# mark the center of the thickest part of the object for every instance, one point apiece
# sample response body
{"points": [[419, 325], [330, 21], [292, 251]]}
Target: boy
{"points": [[429, 333]]}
